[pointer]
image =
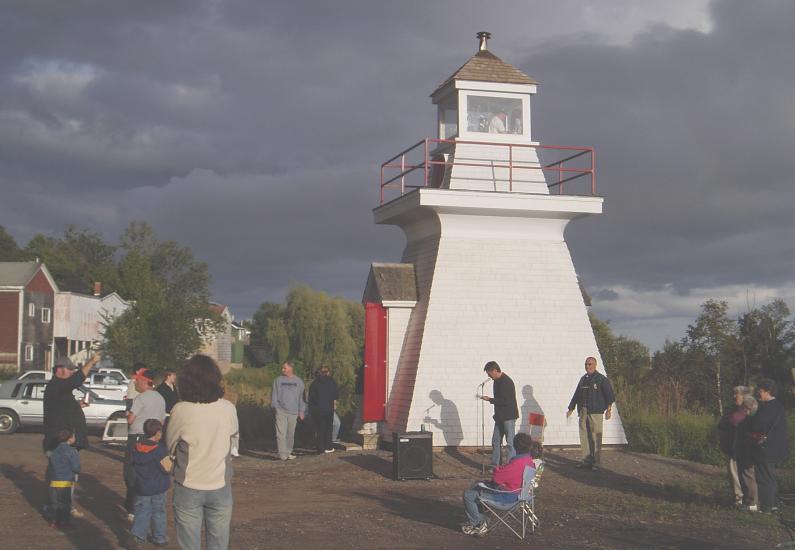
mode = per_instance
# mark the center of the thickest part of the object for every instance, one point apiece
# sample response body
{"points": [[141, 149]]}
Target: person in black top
{"points": [[63, 412], [594, 400], [769, 442], [323, 395], [505, 412], [61, 409], [168, 389]]}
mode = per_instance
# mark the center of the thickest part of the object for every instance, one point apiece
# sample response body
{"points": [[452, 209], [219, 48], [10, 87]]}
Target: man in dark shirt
{"points": [[323, 395], [63, 411], [594, 400], [168, 389], [505, 411]]}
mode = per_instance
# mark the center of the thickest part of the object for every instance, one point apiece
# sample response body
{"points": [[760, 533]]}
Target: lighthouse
{"points": [[486, 274]]}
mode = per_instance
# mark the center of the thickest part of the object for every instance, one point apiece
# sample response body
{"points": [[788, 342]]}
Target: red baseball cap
{"points": [[144, 374]]}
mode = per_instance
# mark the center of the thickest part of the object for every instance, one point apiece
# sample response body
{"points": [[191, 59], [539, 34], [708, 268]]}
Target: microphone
{"points": [[486, 381]]}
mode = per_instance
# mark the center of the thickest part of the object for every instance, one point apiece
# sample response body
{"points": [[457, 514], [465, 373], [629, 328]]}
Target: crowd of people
{"points": [[182, 435], [754, 437]]}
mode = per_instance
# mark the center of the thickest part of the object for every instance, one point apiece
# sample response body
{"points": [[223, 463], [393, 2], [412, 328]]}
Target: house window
{"points": [[46, 316], [31, 310], [28, 352]]}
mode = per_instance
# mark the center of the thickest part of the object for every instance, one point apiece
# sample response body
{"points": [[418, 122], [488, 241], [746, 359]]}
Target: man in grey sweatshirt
{"points": [[287, 398]]}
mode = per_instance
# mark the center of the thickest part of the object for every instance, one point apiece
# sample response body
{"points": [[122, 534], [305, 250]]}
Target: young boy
{"points": [[64, 465], [152, 466]]}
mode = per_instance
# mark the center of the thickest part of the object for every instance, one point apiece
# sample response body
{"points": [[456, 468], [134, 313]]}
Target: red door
{"points": [[374, 404]]}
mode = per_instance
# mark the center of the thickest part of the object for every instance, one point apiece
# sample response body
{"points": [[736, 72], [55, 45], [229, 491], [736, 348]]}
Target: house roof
{"points": [[391, 282], [484, 66], [17, 274]]}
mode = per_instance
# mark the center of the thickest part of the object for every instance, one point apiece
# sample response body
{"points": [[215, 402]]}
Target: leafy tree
{"points": [[76, 259], [9, 250], [714, 347], [312, 329], [170, 290], [766, 338]]}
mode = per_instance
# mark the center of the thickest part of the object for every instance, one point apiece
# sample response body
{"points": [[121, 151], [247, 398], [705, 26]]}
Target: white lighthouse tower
{"points": [[486, 274]]}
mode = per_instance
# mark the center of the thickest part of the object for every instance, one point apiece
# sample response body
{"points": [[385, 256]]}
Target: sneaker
{"points": [[583, 465], [467, 528], [75, 513], [594, 467], [752, 508], [480, 530], [291, 457], [329, 451]]}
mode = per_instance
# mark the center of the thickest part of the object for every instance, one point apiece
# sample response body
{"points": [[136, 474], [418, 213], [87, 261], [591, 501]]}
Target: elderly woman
{"points": [[727, 429], [769, 442], [200, 435], [743, 456]]}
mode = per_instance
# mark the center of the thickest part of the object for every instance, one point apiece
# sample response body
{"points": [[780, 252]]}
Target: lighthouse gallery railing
{"points": [[414, 172]]}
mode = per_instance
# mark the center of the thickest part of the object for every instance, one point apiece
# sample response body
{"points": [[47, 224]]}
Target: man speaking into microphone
{"points": [[505, 411]]}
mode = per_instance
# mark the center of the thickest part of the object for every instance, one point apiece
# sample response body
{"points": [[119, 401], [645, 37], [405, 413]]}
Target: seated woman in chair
{"points": [[504, 478]]}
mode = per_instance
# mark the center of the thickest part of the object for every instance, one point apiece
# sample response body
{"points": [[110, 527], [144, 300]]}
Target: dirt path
{"points": [[348, 500]]}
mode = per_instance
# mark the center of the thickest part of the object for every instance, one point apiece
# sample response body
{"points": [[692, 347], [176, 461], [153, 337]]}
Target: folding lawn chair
{"points": [[517, 515]]}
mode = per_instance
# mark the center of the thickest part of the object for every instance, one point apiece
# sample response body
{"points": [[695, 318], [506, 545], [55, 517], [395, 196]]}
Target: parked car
{"points": [[107, 385], [25, 407], [8, 386]]}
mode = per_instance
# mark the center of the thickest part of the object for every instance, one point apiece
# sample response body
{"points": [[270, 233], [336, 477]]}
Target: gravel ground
{"points": [[348, 500]]}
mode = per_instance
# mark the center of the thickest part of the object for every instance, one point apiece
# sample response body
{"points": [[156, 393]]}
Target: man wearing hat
{"points": [[147, 404], [62, 410]]}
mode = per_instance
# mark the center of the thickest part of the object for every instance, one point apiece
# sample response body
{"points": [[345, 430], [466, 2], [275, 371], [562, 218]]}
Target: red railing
{"points": [[416, 168]]}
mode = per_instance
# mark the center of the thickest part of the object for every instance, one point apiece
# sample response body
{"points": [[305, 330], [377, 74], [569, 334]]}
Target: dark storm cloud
{"points": [[694, 136], [253, 131]]}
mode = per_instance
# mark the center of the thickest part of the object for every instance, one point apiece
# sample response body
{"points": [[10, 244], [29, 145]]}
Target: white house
{"points": [[80, 320]]}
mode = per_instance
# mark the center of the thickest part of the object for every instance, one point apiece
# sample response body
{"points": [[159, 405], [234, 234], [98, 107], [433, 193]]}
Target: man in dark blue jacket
{"points": [[770, 445], [594, 400]]}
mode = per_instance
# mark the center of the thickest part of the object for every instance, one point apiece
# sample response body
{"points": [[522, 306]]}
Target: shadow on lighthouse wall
{"points": [[530, 405]]}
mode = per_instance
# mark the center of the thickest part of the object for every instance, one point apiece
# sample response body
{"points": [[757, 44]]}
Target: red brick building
{"points": [[27, 299]]}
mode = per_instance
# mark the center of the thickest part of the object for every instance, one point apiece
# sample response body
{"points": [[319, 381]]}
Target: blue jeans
{"points": [[506, 428], [192, 507], [475, 494], [150, 510]]}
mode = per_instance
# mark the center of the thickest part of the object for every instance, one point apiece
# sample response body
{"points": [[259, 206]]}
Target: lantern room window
{"points": [[495, 115]]}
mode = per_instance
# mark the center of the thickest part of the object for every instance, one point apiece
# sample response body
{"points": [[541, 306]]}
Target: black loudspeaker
{"points": [[412, 455]]}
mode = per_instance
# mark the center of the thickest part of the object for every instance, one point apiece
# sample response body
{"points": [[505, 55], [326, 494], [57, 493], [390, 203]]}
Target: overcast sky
{"points": [[253, 132]]}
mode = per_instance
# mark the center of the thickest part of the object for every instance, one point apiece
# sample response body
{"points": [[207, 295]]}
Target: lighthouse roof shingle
{"points": [[484, 66]]}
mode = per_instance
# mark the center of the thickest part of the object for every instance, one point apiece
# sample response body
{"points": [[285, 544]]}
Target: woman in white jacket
{"points": [[200, 435]]}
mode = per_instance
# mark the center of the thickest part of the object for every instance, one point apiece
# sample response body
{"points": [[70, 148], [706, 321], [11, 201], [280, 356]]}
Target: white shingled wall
{"points": [[507, 296]]}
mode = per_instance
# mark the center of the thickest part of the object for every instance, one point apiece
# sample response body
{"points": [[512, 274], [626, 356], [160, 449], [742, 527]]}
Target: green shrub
{"points": [[688, 436], [250, 385]]}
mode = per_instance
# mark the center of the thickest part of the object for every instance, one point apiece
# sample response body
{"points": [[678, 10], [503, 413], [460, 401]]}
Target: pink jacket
{"points": [[510, 475]]}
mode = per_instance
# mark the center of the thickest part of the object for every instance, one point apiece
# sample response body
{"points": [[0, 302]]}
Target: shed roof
{"points": [[391, 282], [17, 274], [484, 66]]}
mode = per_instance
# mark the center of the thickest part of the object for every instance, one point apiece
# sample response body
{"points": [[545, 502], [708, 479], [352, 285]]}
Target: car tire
{"points": [[9, 422], [118, 415]]}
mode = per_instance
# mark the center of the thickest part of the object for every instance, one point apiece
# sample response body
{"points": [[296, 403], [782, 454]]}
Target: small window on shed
{"points": [[31, 310], [46, 315], [28, 352]]}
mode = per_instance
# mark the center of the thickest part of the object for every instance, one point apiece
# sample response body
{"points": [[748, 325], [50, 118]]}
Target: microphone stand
{"points": [[482, 425]]}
